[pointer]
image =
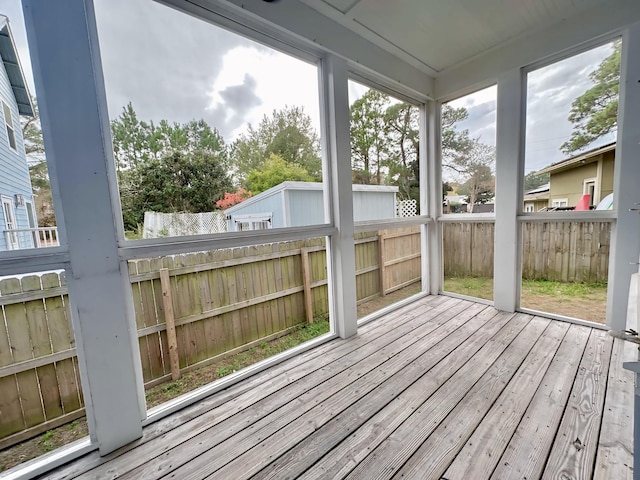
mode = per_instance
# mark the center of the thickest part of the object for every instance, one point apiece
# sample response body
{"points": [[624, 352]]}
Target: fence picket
{"points": [[16, 319], [227, 299]]}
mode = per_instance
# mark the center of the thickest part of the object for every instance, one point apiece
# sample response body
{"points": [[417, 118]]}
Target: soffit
{"points": [[435, 35]]}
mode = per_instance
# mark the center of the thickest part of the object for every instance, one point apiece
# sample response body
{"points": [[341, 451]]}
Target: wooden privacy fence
{"points": [[558, 251], [218, 303], [39, 377]]}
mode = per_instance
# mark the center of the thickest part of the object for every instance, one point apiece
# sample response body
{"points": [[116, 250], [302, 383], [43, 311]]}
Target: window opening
{"points": [[8, 120], [10, 223]]}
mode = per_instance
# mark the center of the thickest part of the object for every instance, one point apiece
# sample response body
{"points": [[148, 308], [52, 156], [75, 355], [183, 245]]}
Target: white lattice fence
{"points": [[406, 208], [158, 224]]}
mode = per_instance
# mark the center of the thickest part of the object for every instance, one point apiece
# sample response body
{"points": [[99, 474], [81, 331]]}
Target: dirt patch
{"points": [[380, 302]]}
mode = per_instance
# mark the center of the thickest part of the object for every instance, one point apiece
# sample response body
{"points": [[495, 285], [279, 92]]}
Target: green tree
{"points": [[178, 182], [369, 141], [32, 135], [287, 133], [403, 132], [457, 145], [385, 143], [274, 171], [534, 180], [136, 141], [38, 171], [139, 147], [595, 112]]}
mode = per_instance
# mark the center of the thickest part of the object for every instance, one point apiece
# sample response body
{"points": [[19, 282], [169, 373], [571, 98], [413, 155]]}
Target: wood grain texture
{"points": [[482, 451], [525, 455], [574, 449], [614, 458], [440, 388], [509, 351], [323, 363]]}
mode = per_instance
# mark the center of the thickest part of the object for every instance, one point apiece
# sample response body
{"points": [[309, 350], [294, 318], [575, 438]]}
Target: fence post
{"points": [[306, 280], [383, 259], [172, 341]]}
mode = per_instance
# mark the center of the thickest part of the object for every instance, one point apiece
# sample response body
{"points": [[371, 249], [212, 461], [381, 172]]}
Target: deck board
{"points": [[615, 447], [574, 450], [441, 388]]}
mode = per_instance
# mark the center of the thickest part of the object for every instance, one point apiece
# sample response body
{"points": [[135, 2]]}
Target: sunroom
{"points": [[440, 380]]}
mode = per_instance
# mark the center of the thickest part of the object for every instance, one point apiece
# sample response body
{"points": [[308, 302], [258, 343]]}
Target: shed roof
{"points": [[306, 186], [12, 65]]}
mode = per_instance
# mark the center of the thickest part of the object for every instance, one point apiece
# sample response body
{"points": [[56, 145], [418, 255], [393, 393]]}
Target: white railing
{"points": [[20, 238]]}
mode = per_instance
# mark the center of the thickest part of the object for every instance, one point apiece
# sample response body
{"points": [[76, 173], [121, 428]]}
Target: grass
{"points": [[202, 376], [478, 287], [586, 301]]}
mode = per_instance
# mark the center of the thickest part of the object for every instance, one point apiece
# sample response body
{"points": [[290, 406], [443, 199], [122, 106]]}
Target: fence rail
{"points": [[217, 304], [558, 251], [222, 302]]}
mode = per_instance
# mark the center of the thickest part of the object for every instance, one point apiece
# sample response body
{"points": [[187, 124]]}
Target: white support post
{"points": [[509, 177], [68, 74], [625, 234], [431, 193], [337, 151]]}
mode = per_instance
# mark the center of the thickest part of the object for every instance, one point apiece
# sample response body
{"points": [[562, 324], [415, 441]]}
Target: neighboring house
{"points": [[537, 199], [295, 204], [590, 173], [455, 204], [18, 214]]}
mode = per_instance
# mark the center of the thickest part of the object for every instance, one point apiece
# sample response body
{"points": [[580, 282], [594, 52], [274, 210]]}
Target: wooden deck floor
{"points": [[441, 389]]}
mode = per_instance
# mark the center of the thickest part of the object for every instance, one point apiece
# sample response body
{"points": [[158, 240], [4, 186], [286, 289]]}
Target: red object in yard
{"points": [[584, 203]]}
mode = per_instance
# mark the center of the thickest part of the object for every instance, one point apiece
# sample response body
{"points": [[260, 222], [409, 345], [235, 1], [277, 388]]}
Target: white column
{"points": [[509, 177], [431, 193], [341, 249], [70, 86], [625, 234]]}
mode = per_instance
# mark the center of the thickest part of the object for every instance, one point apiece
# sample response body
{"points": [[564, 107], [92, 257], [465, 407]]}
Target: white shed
{"points": [[295, 204]]}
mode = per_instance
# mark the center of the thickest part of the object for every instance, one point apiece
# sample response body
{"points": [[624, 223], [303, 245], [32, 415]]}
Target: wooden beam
{"points": [[625, 247], [306, 279], [172, 340], [341, 264], [431, 197], [75, 126], [509, 176]]}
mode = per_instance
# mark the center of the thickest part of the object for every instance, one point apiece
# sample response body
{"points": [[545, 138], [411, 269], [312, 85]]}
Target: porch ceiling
{"points": [[435, 35], [434, 48]]}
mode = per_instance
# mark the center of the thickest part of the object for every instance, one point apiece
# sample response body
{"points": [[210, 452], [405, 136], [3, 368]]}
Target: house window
{"points": [[261, 221], [8, 120], [560, 202], [528, 207]]}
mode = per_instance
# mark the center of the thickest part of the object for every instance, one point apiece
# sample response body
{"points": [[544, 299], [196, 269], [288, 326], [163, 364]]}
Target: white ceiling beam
{"points": [[568, 35], [292, 23]]}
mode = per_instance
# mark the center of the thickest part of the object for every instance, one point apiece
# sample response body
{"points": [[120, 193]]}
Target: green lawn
{"points": [[586, 301]]}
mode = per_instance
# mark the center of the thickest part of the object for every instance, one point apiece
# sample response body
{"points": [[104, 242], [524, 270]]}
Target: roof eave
{"points": [[18, 82]]}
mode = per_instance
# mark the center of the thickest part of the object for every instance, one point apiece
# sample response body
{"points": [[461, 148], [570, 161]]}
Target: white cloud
{"points": [[280, 80]]}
